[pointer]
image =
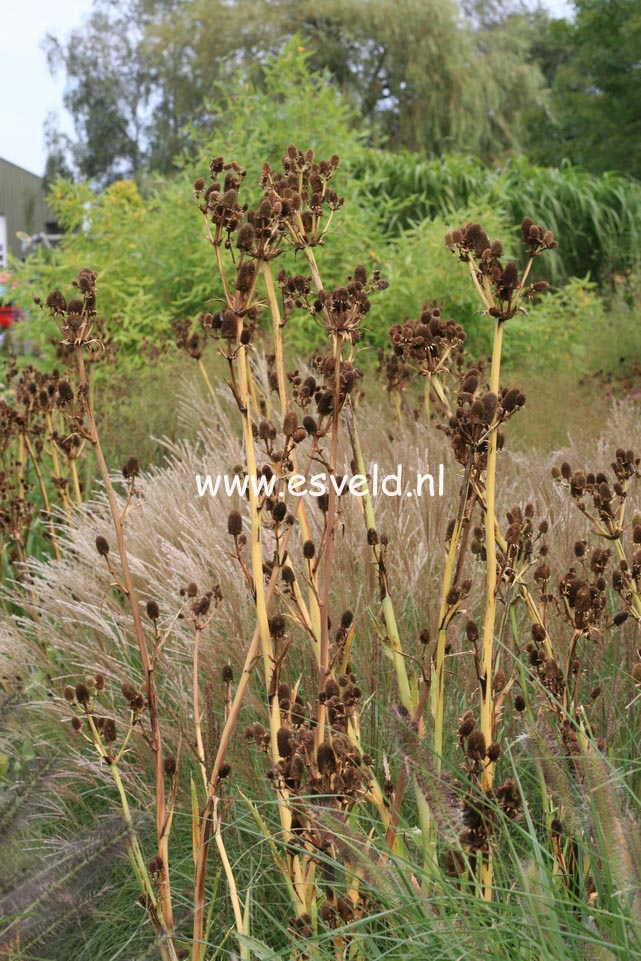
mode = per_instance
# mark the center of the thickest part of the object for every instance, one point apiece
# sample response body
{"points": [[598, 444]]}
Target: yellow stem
{"points": [[487, 647]]}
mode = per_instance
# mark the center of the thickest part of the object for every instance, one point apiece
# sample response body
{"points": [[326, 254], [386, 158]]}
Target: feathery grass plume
{"points": [[49, 896]]}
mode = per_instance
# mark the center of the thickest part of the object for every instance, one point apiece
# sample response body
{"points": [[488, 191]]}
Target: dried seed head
{"points": [[69, 694], [309, 550], [476, 745], [326, 759], [153, 611], [234, 523], [82, 694], [347, 619], [519, 703], [332, 688], [227, 674], [129, 691], [102, 545], [472, 631], [538, 633], [170, 765], [131, 469], [466, 725], [277, 625], [229, 325], [494, 752], [246, 237], [636, 673], [76, 723], [109, 731], [290, 423], [285, 741]]}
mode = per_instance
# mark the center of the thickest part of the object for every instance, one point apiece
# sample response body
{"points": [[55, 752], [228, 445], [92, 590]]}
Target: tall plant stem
{"points": [[76, 482], [256, 541], [162, 835], [167, 947], [277, 330], [427, 386], [408, 700], [253, 653], [328, 553], [45, 499], [205, 377], [56, 466], [387, 606], [449, 574], [487, 647], [635, 597]]}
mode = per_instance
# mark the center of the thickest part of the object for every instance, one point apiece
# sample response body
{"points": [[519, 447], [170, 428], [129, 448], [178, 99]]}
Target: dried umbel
{"points": [[76, 319], [428, 343], [191, 340], [501, 288], [478, 415]]}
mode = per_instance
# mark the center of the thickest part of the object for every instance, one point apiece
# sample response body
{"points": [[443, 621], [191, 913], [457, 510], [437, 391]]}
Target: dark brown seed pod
{"points": [[227, 674], [285, 741], [109, 732], [466, 726], [326, 759], [290, 424], [153, 611], [129, 691], [277, 625], [476, 745], [234, 523], [102, 545]]}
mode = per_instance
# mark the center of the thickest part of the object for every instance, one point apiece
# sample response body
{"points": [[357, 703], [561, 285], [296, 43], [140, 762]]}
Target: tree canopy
{"points": [[492, 80]]}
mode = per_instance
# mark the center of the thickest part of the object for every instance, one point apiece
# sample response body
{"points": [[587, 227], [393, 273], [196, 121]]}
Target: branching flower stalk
{"points": [[502, 293], [277, 332], [77, 329]]}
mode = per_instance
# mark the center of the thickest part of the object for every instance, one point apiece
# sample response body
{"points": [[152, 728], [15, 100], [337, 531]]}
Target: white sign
{"points": [[4, 253]]}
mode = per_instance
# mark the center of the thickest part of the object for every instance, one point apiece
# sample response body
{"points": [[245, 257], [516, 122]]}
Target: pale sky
{"points": [[27, 91]]}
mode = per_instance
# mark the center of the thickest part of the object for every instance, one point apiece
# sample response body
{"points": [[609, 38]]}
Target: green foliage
{"points": [[144, 244], [592, 66], [149, 248], [596, 217]]}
